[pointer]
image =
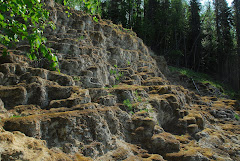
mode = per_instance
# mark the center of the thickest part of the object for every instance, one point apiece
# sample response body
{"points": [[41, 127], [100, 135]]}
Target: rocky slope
{"points": [[110, 102]]}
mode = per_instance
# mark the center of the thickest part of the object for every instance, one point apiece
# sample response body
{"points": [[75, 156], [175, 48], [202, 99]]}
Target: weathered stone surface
{"points": [[164, 143], [80, 129], [17, 146], [12, 96], [111, 101], [2, 109], [186, 157], [224, 113]]}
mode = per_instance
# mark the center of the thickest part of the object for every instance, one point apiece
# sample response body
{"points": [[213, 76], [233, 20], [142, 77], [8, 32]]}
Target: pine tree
{"points": [[149, 22], [237, 24], [224, 38], [163, 29], [177, 31], [138, 17], [209, 40], [195, 36], [117, 12]]}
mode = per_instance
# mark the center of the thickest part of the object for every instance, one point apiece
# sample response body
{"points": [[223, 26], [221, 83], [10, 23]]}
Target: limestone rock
{"points": [[111, 101], [17, 146], [2, 109], [163, 143], [12, 96]]}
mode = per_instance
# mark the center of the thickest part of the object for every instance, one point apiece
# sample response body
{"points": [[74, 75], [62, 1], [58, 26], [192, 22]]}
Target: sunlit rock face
{"points": [[111, 101]]}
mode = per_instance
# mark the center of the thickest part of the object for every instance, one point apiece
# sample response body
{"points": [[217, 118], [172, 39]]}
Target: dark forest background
{"points": [[201, 37]]}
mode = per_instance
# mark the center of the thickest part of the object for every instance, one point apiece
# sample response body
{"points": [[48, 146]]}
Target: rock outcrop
{"points": [[111, 101]]}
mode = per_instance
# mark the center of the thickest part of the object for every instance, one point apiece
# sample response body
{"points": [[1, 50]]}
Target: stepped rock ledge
{"points": [[112, 101]]}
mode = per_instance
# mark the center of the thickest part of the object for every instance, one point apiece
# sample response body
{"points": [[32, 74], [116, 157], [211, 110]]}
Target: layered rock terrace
{"points": [[111, 101]]}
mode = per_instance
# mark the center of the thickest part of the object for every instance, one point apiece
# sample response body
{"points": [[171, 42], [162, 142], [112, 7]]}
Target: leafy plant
{"points": [[16, 116], [95, 19], [26, 20], [115, 86], [81, 37], [92, 7], [113, 71], [147, 110], [237, 117], [76, 78], [128, 104], [69, 14], [139, 98], [118, 75]]}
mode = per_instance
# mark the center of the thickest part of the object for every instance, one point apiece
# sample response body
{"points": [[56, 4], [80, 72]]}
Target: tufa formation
{"points": [[111, 101]]}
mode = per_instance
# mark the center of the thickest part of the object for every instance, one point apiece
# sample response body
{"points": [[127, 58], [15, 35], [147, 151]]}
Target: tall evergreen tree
{"points": [[138, 17], [224, 38], [209, 40], [177, 34], [162, 26], [195, 36], [150, 19], [116, 11], [237, 23]]}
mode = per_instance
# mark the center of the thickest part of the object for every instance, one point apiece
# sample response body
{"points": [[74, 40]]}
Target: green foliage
{"points": [[115, 86], [237, 117], [26, 20], [76, 78], [81, 38], [139, 98], [145, 109], [16, 116], [118, 75], [131, 112], [95, 19], [69, 14], [187, 33], [112, 72], [92, 7], [128, 104], [204, 78], [191, 74]]}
